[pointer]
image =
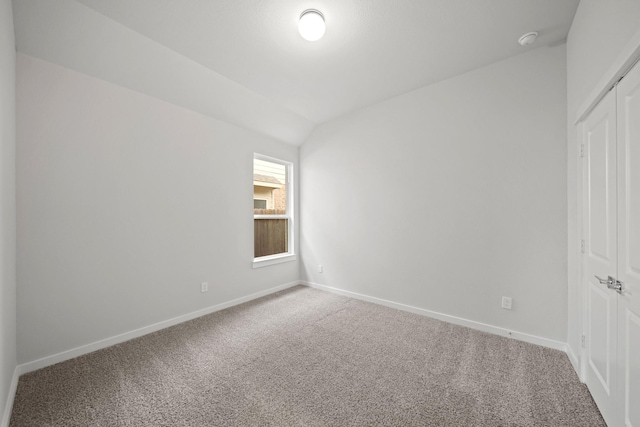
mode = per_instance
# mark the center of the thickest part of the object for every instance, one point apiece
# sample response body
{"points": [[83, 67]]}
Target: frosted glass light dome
{"points": [[311, 25]]}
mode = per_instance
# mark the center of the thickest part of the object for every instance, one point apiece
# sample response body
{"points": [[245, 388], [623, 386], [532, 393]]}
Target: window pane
{"points": [[269, 185], [270, 236]]}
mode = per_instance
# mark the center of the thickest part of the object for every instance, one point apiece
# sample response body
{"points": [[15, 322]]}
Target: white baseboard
{"points": [[107, 342], [496, 330], [6, 417]]}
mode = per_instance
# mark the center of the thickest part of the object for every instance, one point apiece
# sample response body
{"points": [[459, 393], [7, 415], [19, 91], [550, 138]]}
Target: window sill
{"points": [[273, 259]]}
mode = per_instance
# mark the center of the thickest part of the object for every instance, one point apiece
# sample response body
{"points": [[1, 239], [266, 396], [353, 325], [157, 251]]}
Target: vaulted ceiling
{"points": [[243, 61]]}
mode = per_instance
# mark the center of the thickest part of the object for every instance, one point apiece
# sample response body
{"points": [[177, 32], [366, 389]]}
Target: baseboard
{"points": [[496, 330], [107, 342], [6, 417]]}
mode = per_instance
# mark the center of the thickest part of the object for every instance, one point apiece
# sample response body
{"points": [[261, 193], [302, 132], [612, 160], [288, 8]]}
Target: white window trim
{"points": [[285, 256], [273, 259]]}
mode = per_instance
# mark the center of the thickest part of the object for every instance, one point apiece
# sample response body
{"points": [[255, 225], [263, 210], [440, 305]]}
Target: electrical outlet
{"points": [[506, 303], [204, 287], [319, 268]]}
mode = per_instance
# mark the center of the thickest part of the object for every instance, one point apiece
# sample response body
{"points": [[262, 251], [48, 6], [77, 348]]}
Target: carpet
{"points": [[305, 357]]}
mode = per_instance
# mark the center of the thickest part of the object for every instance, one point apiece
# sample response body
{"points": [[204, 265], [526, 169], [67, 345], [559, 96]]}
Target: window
{"points": [[272, 211], [259, 204]]}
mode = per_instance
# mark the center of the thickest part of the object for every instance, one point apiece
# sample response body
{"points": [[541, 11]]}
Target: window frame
{"points": [[290, 255]]}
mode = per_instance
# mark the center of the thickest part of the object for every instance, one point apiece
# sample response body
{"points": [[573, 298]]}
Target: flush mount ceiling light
{"points": [[528, 38], [311, 25]]}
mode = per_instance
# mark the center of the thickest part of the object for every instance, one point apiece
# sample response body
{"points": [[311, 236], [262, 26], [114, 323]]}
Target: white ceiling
{"points": [[244, 62]]}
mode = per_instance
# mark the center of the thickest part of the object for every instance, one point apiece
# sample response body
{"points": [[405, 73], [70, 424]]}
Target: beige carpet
{"points": [[304, 357]]}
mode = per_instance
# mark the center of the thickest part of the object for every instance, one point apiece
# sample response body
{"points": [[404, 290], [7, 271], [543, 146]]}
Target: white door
{"points": [[628, 95], [600, 214]]}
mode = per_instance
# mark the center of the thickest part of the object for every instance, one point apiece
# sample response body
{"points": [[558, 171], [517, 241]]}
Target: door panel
{"points": [[631, 368], [600, 213], [598, 145], [598, 355], [629, 185], [628, 94]]}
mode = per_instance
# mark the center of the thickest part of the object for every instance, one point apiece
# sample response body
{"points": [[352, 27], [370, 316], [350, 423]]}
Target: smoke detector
{"points": [[528, 38]]}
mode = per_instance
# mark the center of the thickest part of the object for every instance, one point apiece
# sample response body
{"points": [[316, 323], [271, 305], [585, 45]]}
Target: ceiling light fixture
{"points": [[311, 25], [528, 38]]}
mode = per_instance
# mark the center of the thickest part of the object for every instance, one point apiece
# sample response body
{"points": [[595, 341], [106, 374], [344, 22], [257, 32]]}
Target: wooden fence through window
{"points": [[270, 236]]}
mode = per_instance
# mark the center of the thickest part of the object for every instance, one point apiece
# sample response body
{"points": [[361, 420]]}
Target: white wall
{"points": [[449, 197], [109, 50], [126, 204], [599, 32], [7, 204]]}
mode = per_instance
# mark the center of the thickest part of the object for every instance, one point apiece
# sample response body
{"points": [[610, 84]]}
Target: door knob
{"points": [[616, 285], [611, 283]]}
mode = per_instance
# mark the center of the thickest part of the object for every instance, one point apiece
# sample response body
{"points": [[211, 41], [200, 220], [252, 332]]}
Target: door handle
{"points": [[616, 285], [611, 283], [607, 281]]}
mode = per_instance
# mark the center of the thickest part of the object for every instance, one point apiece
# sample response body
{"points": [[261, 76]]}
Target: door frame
{"points": [[629, 55]]}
